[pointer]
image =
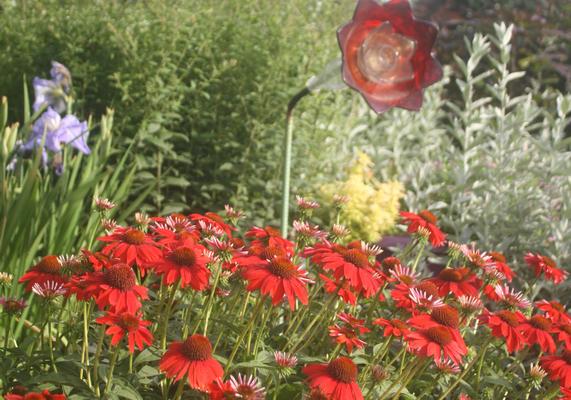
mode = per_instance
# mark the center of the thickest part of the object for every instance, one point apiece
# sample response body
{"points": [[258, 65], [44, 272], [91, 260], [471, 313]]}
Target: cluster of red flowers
{"points": [[429, 316]]}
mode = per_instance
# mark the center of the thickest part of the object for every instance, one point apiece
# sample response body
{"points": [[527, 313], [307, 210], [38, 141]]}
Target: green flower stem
{"points": [[167, 314], [98, 350], [50, 343], [288, 139], [257, 308], [179, 389], [466, 370], [7, 333], [218, 267], [85, 346], [418, 256], [376, 358], [111, 369], [417, 372], [315, 319], [335, 352], [188, 311], [400, 380], [260, 333]]}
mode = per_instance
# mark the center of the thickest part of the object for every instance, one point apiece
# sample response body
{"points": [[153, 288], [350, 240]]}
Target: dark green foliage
{"points": [[202, 85]]}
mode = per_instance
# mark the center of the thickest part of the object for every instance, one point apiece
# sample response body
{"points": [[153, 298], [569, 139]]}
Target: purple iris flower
{"points": [[58, 131], [53, 92]]}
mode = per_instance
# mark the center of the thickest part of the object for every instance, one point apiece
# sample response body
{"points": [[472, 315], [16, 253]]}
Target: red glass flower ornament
{"points": [[387, 54]]}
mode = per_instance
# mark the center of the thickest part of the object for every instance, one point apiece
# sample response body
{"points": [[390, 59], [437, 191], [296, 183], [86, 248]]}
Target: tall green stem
{"points": [[111, 369], [287, 158]]}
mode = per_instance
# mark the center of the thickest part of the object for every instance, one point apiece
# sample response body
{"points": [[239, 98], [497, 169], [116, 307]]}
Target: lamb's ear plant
{"points": [[494, 161]]}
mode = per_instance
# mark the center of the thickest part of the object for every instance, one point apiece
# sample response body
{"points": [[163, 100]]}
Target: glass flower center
{"points": [[128, 322], [120, 276], [540, 322], [342, 369], [447, 316], [439, 334], [429, 288], [134, 236], [356, 257], [384, 56], [50, 265], [197, 348], [451, 275], [566, 328], [406, 279], [282, 267], [508, 317], [183, 256]]}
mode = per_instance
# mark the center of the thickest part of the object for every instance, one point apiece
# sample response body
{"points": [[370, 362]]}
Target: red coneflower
{"points": [[336, 380], [268, 243], [545, 265], [424, 219], [132, 246], [49, 290], [511, 297], [12, 306], [342, 288], [350, 264], [554, 310], [537, 330], [563, 332], [401, 294], [559, 368], [505, 324], [501, 265], [423, 302], [193, 358], [459, 281], [445, 316], [403, 274], [392, 327], [278, 277], [127, 324], [115, 287], [175, 228], [447, 367], [45, 395], [220, 390], [213, 221], [186, 263], [437, 342], [348, 333], [48, 269], [285, 360], [247, 388]]}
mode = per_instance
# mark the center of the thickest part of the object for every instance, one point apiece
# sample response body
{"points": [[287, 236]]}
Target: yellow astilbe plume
{"points": [[373, 206]]}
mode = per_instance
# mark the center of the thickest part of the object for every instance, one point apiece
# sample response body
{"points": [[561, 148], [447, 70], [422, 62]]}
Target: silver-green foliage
{"points": [[494, 166]]}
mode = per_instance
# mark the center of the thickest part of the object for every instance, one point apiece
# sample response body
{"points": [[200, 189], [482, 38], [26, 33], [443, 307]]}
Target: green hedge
{"points": [[203, 83]]}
